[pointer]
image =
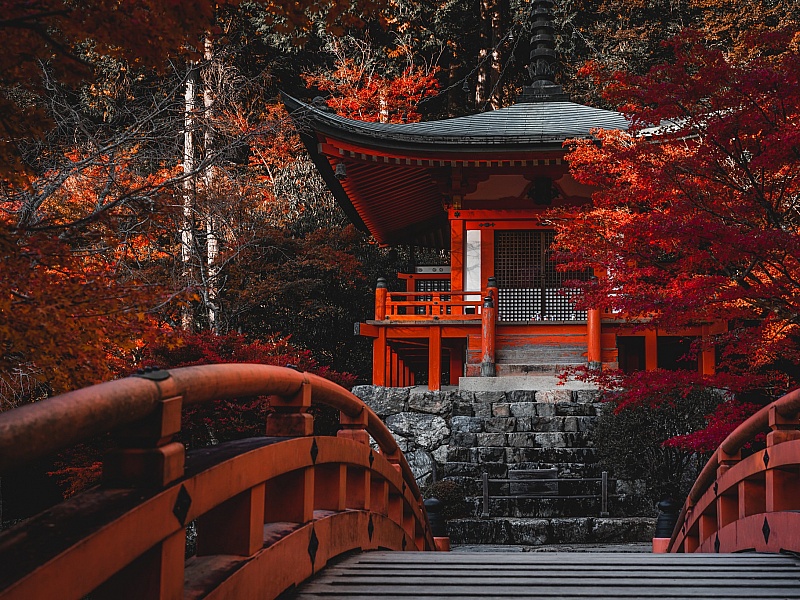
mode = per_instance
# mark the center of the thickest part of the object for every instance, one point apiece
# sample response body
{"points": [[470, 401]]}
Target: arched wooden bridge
{"points": [[272, 512]]}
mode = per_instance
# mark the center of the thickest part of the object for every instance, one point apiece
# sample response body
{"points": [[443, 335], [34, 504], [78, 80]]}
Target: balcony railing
{"points": [[419, 306]]}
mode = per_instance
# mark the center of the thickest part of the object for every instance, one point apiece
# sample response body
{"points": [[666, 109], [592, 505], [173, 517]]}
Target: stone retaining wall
{"points": [[462, 434]]}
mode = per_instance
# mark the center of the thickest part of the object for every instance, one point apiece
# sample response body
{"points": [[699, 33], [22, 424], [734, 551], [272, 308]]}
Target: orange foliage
{"points": [[358, 93], [75, 303], [145, 33]]}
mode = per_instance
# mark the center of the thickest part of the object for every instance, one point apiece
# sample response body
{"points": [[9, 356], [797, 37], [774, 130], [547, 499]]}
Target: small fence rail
{"points": [[748, 502], [544, 484], [440, 306]]}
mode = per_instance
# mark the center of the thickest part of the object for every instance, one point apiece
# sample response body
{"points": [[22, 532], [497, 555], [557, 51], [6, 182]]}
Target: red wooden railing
{"points": [[269, 511], [440, 306], [750, 503]]}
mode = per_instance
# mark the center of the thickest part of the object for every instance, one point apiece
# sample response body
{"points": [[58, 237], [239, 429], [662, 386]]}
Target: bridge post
{"points": [[147, 455], [395, 503], [291, 418], [782, 487], [727, 502], [354, 428]]}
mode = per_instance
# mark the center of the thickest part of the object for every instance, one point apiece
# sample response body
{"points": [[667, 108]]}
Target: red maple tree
{"points": [[695, 218]]}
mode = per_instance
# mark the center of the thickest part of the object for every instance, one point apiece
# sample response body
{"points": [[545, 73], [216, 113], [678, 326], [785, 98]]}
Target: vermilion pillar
{"points": [[381, 293], [434, 358], [650, 350], [379, 358], [488, 330], [457, 258], [379, 348], [707, 361], [594, 353]]}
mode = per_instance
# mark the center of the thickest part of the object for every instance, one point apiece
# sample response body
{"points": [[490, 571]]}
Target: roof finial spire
{"points": [[543, 64]]}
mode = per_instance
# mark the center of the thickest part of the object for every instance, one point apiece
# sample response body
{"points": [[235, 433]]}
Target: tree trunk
{"points": [[494, 20], [483, 87], [212, 241], [189, 189], [499, 23], [454, 92]]}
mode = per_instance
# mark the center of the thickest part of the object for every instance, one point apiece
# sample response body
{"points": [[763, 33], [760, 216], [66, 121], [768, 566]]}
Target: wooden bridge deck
{"points": [[556, 575]]}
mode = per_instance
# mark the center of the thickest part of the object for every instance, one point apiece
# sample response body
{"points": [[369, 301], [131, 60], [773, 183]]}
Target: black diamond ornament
{"points": [[182, 504], [766, 530], [716, 488], [766, 459], [405, 543], [370, 528], [716, 544], [404, 487], [371, 458], [313, 546], [314, 451]]}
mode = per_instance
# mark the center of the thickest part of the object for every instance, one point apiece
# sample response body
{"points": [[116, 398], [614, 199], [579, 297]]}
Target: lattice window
{"points": [[530, 287], [430, 285]]}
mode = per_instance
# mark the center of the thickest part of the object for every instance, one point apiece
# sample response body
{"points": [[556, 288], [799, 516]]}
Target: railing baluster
{"points": [[234, 527], [485, 513], [604, 494], [156, 575]]}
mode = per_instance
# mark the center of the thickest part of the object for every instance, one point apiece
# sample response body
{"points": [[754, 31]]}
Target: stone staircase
{"points": [[530, 354], [459, 434]]}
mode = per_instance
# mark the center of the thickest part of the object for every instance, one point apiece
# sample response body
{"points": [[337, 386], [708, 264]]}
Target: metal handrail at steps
{"points": [[269, 511], [531, 485]]}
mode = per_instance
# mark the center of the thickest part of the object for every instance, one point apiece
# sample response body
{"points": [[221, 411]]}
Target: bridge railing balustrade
{"points": [[748, 502], [269, 511]]}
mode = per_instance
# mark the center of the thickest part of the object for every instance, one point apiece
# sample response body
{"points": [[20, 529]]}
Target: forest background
{"points": [[156, 206]]}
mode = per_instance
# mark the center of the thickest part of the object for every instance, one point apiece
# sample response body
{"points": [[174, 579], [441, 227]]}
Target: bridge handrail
{"points": [[39, 429], [769, 417], [269, 510], [787, 406]]}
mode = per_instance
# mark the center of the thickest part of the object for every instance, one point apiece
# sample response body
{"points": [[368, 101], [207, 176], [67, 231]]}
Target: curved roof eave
{"points": [[521, 127]]}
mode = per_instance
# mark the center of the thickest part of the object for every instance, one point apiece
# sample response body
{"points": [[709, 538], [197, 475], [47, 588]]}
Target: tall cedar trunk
{"points": [[189, 189], [493, 23], [500, 20], [453, 90], [483, 87], [212, 241]]}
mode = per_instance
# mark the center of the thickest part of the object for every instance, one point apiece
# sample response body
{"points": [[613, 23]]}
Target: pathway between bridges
{"points": [[556, 575]]}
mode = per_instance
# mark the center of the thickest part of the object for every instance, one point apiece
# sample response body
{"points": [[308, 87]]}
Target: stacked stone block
{"points": [[462, 434], [459, 435]]}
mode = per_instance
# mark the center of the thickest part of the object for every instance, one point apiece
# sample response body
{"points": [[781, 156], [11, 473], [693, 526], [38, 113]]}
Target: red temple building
{"points": [[480, 186]]}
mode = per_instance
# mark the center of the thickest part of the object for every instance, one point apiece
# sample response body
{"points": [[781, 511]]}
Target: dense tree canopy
{"points": [[151, 182], [696, 215]]}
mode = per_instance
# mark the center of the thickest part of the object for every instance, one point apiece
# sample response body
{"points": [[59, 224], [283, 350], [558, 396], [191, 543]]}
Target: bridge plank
{"points": [[556, 575]]}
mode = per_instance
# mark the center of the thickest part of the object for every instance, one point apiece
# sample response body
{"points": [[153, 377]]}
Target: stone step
{"points": [[518, 456], [564, 469], [540, 531], [580, 458], [527, 409], [512, 366], [521, 383], [523, 437], [553, 507]]}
